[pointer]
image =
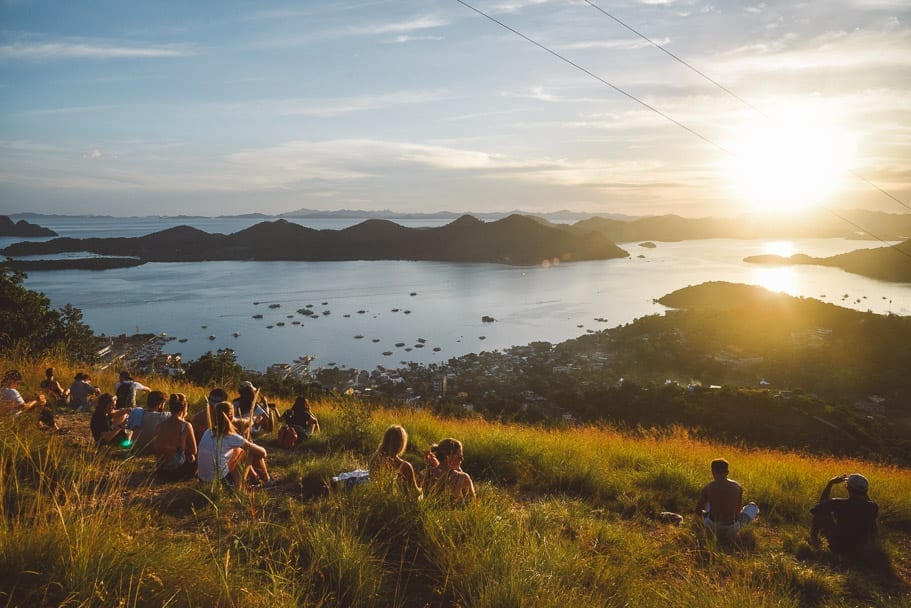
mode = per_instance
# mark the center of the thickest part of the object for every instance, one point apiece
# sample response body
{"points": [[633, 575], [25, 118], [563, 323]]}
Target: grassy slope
{"points": [[563, 517]]}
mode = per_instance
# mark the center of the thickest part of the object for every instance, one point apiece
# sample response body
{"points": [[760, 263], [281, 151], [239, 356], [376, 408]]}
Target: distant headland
{"points": [[22, 228]]}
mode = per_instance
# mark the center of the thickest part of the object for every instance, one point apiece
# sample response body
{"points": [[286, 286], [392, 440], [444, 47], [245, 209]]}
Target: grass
{"points": [[562, 518]]}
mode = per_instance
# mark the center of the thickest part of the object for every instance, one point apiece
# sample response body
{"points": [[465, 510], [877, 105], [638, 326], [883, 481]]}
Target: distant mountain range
{"points": [[516, 239], [22, 228]]}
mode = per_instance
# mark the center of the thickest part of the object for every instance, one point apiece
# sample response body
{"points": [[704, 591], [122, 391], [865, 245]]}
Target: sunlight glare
{"points": [[788, 165], [779, 278], [784, 249]]}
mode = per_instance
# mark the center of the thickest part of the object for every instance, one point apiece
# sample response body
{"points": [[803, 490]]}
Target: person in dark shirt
{"points": [[848, 524], [107, 423], [301, 417]]}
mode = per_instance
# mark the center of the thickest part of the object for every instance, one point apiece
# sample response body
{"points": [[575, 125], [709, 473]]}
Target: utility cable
{"points": [[651, 108], [728, 91]]}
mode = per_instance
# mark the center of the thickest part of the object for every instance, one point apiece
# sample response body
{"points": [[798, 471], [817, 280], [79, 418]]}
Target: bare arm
{"points": [[703, 501], [827, 491], [255, 449], [189, 441]]}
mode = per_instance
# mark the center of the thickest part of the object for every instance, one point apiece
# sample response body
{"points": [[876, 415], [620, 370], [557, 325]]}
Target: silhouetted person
{"points": [[848, 524]]}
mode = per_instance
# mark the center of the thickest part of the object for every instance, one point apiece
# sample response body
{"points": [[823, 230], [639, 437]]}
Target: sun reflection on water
{"points": [[777, 278]]}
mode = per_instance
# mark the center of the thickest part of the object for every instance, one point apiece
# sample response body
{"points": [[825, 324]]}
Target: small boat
{"points": [[236, 335], [275, 305], [413, 293], [255, 303], [407, 312], [436, 349], [375, 340], [358, 337], [419, 345], [205, 326], [482, 337], [257, 316], [346, 315], [269, 326], [182, 340], [295, 322], [327, 304], [326, 312], [422, 340], [386, 353], [395, 310], [281, 323], [211, 337], [487, 319], [362, 311], [408, 350], [399, 344]]}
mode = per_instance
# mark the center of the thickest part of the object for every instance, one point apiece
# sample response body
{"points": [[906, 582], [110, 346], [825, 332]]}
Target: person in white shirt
{"points": [[221, 450]]}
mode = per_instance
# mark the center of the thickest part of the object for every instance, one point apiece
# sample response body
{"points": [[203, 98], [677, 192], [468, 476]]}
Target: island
{"points": [[22, 228], [514, 240], [890, 263]]}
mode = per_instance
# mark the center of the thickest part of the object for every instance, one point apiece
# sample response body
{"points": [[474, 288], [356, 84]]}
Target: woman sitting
{"points": [[388, 460], [221, 449], [175, 443], [444, 472], [301, 418], [108, 424]]}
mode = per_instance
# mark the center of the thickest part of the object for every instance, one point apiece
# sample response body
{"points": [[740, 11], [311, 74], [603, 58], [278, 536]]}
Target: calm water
{"points": [[552, 303]]}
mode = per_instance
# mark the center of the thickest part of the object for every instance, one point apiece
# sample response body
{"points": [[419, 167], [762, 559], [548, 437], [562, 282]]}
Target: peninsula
{"points": [[516, 240], [891, 263], [22, 228]]}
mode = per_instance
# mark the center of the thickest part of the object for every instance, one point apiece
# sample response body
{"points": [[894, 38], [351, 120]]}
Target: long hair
{"points": [[223, 420], [394, 442], [103, 401]]}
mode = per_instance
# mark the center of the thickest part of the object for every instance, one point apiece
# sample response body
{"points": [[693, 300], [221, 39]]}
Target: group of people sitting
{"points": [[443, 473], [848, 524]]}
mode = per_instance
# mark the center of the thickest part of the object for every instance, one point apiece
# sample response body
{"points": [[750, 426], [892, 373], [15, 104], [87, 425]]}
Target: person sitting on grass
{"points": [[848, 524], [175, 443], [301, 418], [52, 388], [108, 424], [242, 405], [126, 388], [720, 505], [12, 402], [221, 450], [80, 392], [387, 460], [444, 472], [144, 422]]}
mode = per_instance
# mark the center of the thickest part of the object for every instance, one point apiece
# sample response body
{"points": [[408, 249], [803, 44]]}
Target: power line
{"points": [[648, 106], [598, 78], [728, 91]]}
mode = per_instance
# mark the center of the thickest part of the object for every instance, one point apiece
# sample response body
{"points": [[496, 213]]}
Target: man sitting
{"points": [[848, 524], [720, 505], [143, 422]]}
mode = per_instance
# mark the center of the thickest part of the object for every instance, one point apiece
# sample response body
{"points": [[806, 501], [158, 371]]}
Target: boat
{"points": [[422, 340], [362, 311], [386, 353], [281, 323], [236, 335], [436, 349], [182, 340], [487, 319], [358, 337], [211, 337], [407, 312], [482, 337], [257, 316], [375, 340], [399, 344], [413, 293], [274, 305]]}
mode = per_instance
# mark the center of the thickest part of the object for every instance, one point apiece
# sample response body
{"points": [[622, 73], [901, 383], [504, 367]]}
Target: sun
{"points": [[789, 164]]}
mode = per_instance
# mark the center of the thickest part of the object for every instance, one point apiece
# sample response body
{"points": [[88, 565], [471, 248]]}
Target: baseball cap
{"points": [[247, 384], [857, 482]]}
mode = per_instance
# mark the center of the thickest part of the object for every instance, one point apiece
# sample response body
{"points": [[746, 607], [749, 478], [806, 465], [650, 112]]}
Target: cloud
{"points": [[396, 27], [346, 105], [405, 38], [94, 153], [629, 44], [84, 49]]}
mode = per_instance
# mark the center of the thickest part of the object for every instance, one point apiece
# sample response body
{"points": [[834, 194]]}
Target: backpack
{"points": [[287, 437], [125, 394]]}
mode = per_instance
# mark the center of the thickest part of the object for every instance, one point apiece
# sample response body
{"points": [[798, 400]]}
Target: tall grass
{"points": [[562, 518]]}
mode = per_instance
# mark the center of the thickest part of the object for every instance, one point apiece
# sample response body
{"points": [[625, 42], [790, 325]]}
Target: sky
{"points": [[228, 107]]}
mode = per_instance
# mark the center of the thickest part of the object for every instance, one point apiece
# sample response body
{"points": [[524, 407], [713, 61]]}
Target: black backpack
{"points": [[125, 394]]}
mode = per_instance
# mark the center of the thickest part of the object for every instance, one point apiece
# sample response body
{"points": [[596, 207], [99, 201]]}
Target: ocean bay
{"points": [[551, 301]]}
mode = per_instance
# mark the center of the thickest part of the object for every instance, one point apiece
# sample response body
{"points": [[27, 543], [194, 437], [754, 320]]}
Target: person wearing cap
{"points": [[848, 524], [243, 404], [81, 390], [720, 505]]}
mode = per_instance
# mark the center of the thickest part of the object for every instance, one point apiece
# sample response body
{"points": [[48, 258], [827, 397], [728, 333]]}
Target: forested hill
{"points": [[890, 263], [22, 228], [516, 239]]}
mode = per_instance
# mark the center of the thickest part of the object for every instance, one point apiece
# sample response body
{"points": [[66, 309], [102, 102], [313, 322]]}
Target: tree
{"points": [[31, 327], [219, 369]]}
